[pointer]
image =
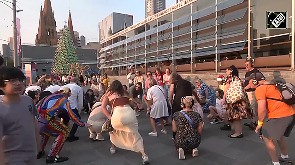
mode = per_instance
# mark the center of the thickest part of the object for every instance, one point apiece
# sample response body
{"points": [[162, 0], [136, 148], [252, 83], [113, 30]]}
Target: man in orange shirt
{"points": [[280, 118]]}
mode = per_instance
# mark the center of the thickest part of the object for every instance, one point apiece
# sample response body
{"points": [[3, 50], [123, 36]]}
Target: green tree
{"points": [[65, 54]]}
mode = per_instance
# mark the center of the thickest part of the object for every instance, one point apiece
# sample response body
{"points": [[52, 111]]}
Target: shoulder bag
{"points": [[194, 125]]}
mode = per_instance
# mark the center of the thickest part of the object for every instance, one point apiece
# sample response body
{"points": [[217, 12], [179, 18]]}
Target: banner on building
{"points": [[18, 36]]}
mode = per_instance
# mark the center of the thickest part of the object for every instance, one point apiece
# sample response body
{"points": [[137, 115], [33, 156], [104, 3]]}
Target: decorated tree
{"points": [[65, 54]]}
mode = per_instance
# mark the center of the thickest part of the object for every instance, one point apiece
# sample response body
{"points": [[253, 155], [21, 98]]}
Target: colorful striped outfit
{"points": [[49, 125]]}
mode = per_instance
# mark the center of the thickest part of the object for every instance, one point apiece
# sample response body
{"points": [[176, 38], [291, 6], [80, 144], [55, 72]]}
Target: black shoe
{"points": [[240, 136], [251, 125], [40, 154], [72, 139], [226, 127], [56, 159]]}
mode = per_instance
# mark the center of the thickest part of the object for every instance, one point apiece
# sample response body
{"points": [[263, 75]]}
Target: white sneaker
{"points": [[92, 136], [163, 131], [181, 155], [99, 137], [145, 159], [195, 152], [112, 150], [153, 134]]}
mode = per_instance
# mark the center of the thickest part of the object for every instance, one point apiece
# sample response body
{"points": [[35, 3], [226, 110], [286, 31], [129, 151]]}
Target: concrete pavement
{"points": [[215, 149]]}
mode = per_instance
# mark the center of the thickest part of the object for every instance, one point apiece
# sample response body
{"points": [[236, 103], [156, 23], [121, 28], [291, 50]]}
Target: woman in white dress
{"points": [[156, 106], [96, 119], [125, 134]]}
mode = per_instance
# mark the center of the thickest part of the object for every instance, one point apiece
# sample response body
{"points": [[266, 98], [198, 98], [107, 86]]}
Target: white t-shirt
{"points": [[156, 93], [76, 98]]}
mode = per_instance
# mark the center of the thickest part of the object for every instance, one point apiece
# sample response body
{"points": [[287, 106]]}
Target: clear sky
{"points": [[85, 15]]}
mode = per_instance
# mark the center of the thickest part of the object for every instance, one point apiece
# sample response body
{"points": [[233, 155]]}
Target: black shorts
{"points": [[276, 128]]}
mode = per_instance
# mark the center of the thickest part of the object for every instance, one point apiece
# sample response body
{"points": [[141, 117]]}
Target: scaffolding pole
{"points": [[217, 55], [250, 43]]}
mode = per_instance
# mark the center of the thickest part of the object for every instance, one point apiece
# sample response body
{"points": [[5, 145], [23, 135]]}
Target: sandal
{"points": [[239, 136]]}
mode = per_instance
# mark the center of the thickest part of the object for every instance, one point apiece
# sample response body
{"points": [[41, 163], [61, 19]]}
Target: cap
{"points": [[220, 78], [64, 89]]}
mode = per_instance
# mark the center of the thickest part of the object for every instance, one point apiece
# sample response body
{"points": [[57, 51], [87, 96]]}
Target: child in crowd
{"points": [[221, 82], [216, 113], [197, 107], [89, 100], [18, 124]]}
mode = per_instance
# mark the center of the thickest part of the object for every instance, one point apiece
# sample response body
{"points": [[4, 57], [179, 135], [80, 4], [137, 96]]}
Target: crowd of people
{"points": [[30, 115]]}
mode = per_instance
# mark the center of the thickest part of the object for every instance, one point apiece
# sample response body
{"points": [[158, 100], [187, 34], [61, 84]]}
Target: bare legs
{"points": [[237, 124], [153, 123], [283, 146], [271, 148], [213, 113]]}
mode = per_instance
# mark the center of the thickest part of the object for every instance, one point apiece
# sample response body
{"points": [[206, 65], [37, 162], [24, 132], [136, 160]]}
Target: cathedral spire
{"points": [[47, 26], [47, 6], [70, 26], [40, 23]]}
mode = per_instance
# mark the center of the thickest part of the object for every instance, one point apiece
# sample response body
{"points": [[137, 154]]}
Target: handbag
{"points": [[235, 92], [107, 126]]}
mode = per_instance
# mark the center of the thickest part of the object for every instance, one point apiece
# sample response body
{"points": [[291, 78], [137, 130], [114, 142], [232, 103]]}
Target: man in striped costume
{"points": [[49, 124]]}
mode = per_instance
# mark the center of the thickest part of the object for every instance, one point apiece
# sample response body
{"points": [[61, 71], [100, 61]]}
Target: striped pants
{"points": [[53, 128]]}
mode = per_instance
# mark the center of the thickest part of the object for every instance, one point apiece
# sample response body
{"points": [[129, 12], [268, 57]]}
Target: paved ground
{"points": [[215, 149]]}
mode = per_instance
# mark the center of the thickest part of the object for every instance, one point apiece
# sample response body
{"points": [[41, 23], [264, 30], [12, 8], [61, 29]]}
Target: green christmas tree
{"points": [[65, 54]]}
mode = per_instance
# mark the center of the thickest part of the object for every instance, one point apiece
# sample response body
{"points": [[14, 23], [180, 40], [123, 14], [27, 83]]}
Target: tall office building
{"points": [[154, 6], [114, 23], [82, 41]]}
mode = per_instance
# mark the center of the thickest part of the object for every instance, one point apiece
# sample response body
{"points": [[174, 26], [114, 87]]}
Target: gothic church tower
{"points": [[47, 34]]}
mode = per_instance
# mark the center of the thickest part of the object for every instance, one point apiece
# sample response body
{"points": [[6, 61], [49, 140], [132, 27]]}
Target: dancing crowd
{"points": [[52, 107]]}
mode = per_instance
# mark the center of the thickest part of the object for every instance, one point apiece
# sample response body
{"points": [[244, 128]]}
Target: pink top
{"points": [[167, 79]]}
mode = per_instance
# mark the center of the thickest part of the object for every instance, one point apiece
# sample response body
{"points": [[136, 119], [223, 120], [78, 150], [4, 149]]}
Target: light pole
{"points": [[15, 57], [293, 37]]}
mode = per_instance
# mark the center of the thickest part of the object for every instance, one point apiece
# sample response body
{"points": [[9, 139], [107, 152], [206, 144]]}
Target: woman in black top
{"points": [[180, 88]]}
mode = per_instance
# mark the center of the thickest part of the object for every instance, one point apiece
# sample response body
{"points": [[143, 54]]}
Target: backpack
{"points": [[287, 91]]}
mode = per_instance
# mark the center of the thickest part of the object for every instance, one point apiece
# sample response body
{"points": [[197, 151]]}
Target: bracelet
{"points": [[260, 123]]}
